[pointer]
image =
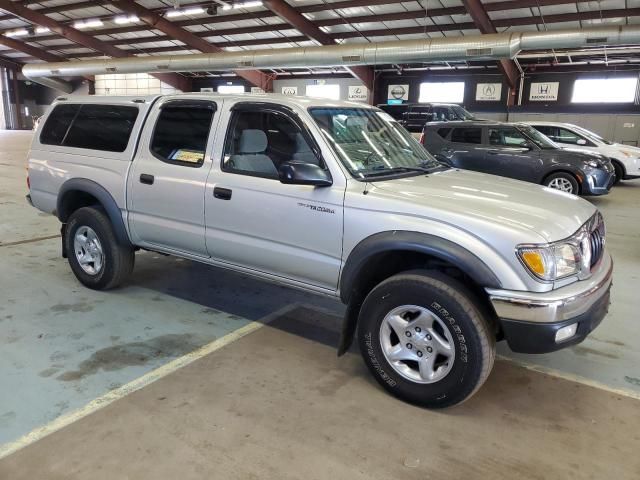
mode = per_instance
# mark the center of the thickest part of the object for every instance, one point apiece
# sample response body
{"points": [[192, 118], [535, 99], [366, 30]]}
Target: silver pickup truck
{"points": [[434, 264]]}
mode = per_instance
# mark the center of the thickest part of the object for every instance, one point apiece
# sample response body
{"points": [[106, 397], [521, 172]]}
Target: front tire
{"points": [[425, 339], [618, 171], [562, 181], [96, 258]]}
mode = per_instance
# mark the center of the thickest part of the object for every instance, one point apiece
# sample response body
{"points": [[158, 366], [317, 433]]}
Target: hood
{"points": [[635, 151], [482, 203]]}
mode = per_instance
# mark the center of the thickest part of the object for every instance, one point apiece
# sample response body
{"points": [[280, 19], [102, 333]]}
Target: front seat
{"points": [[251, 156]]}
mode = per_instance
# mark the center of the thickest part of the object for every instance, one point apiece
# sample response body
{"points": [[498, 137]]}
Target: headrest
{"points": [[253, 141]]}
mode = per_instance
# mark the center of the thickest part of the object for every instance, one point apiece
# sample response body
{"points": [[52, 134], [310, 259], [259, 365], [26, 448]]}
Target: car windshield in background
{"points": [[462, 114], [370, 143], [541, 140]]}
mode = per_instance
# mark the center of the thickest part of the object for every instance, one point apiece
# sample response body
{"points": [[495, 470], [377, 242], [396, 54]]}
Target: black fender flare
{"points": [[104, 197], [408, 241]]}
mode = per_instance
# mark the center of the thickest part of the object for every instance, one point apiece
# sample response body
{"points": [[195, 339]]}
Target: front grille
{"points": [[596, 239]]}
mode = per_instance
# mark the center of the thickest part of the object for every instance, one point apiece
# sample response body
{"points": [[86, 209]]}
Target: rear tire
{"points": [[96, 258], [562, 181], [425, 339]]}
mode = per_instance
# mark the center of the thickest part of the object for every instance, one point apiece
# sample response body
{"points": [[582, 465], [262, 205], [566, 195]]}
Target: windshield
{"points": [[371, 143], [592, 135], [541, 140], [462, 114]]}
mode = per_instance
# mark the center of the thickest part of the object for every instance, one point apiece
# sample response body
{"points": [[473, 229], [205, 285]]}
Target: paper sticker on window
{"points": [[188, 156]]}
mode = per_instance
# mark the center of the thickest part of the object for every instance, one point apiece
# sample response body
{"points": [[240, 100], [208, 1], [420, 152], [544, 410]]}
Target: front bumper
{"points": [[597, 181], [530, 320]]}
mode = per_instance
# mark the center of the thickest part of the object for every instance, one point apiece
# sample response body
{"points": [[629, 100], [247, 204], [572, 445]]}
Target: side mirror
{"points": [[581, 141], [300, 173]]}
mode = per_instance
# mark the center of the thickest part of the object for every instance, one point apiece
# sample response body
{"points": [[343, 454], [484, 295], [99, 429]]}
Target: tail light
{"points": [[422, 138]]}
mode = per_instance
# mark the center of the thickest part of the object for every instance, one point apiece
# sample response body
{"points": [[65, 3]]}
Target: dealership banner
{"points": [[398, 94], [488, 92], [544, 92]]}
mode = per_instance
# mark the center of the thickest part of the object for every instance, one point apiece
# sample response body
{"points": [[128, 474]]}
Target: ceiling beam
{"points": [[483, 22], [155, 21], [305, 26], [10, 63], [177, 81]]}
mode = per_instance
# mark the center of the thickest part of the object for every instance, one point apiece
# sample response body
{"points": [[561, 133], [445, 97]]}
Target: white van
{"points": [[625, 158]]}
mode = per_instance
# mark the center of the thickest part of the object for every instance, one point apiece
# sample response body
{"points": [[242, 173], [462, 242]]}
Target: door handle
{"points": [[222, 193], [147, 179]]}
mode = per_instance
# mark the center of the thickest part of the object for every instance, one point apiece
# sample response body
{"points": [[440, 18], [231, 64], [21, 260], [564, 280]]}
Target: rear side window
{"points": [[444, 132], [467, 135], [58, 123], [95, 127], [181, 132], [102, 127]]}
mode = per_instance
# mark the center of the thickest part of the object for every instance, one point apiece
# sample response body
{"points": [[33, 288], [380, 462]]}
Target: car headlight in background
{"points": [[593, 163], [629, 154]]}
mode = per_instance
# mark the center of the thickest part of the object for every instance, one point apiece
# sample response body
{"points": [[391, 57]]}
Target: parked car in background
{"points": [[625, 158], [414, 116], [518, 151], [434, 264]]}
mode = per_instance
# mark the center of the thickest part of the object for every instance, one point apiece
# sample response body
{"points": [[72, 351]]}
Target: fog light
{"points": [[566, 332]]}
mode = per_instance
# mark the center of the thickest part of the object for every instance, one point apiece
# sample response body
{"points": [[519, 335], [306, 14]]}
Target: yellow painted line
{"points": [[141, 382], [623, 392]]}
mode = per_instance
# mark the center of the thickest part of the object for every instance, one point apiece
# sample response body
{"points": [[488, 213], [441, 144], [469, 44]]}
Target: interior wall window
{"points": [[231, 89], [604, 90], [258, 142], [330, 91], [467, 135], [452, 92], [181, 132]]}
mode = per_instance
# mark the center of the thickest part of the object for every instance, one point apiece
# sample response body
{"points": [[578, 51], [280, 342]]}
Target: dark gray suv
{"points": [[518, 151]]}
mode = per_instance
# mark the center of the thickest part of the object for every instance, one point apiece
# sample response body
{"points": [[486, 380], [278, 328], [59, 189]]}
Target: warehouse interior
{"points": [[198, 371]]}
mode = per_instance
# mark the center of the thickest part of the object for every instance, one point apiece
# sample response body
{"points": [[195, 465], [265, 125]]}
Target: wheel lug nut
{"points": [[408, 334], [429, 349], [428, 337], [409, 346], [418, 329], [419, 353]]}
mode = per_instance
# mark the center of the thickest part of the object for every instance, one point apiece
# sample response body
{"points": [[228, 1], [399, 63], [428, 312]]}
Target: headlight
{"points": [[593, 163], [552, 262], [629, 154]]}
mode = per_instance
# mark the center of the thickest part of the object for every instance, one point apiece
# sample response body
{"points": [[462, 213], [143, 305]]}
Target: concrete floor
{"points": [[278, 402]]}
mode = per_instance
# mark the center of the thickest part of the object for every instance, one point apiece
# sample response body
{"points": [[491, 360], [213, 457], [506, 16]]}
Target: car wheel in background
{"points": [[619, 172], [562, 181]]}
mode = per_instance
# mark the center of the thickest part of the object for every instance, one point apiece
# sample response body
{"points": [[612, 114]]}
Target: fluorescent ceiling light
{"points": [[17, 33], [249, 4], [185, 11], [42, 30], [123, 19], [80, 24]]}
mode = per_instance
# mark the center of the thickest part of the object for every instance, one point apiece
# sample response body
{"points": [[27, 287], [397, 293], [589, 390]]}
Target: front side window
{"points": [[259, 141], [467, 135], [507, 137], [181, 132], [567, 136], [371, 143]]}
